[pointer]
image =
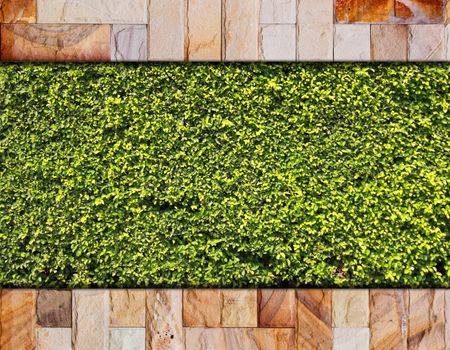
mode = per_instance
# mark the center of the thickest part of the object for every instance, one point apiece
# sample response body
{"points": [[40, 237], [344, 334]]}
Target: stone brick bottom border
{"points": [[265, 319]]}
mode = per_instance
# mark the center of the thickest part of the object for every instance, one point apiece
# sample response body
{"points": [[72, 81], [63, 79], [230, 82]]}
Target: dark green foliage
{"points": [[224, 175]]}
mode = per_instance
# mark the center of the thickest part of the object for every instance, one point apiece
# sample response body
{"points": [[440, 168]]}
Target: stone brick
{"points": [[364, 10], [389, 42], [201, 307], [351, 338], [276, 308], [426, 42], [350, 308], [352, 42], [278, 11], [127, 308], [129, 43], [278, 42], [54, 339], [127, 339], [54, 308], [239, 308], [419, 11], [18, 11]]}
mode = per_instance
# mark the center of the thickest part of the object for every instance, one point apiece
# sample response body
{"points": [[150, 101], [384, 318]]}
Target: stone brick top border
{"points": [[222, 319], [224, 30]]}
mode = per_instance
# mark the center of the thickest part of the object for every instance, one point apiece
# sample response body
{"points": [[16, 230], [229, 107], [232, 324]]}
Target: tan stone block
{"points": [[426, 42], [447, 41], [90, 319], [351, 338], [54, 308], [239, 308], [419, 11], [129, 43], [53, 339], [241, 30], [426, 329], [278, 11], [164, 324], [389, 42], [352, 42], [278, 42], [201, 307], [34, 42], [277, 308], [127, 308], [127, 339], [350, 308], [389, 319], [204, 30], [92, 11], [18, 319], [364, 10], [166, 30], [447, 319], [18, 11]]}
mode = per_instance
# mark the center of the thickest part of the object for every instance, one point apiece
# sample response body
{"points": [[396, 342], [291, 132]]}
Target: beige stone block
{"points": [[127, 308], [164, 323], [278, 42], [447, 319], [351, 338], [389, 42], [127, 339], [350, 308], [128, 42], [447, 42], [202, 307], [352, 42], [277, 308], [166, 30], [204, 30], [53, 339], [92, 11], [241, 30], [239, 308], [90, 319], [278, 11], [426, 42]]}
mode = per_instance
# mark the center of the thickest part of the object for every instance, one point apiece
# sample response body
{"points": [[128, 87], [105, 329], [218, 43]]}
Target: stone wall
{"points": [[224, 30]]}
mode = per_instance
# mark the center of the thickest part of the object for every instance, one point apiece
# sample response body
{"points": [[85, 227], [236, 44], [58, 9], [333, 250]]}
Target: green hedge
{"points": [[224, 175]]}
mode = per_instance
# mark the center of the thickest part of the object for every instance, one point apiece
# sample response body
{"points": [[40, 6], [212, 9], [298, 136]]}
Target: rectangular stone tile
{"points": [[53, 339], [315, 30], [350, 308], [241, 30], [426, 329], [129, 42], [389, 319], [201, 307], [447, 41], [351, 338], [54, 308], [90, 319], [18, 11], [18, 319], [276, 308], [240, 338], [352, 42], [127, 308], [277, 42], [166, 30], [164, 322], [278, 11], [364, 10], [92, 11], [34, 42], [389, 42], [204, 30], [447, 319], [313, 327], [426, 42], [419, 11], [127, 339], [239, 308]]}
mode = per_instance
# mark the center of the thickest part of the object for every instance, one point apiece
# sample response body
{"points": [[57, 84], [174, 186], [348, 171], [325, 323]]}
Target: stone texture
{"points": [[33, 42], [54, 339], [164, 319], [18, 319], [389, 319], [240, 338], [447, 41], [127, 339], [314, 319], [239, 308], [92, 11], [129, 43], [364, 10], [17, 11], [54, 308], [426, 320], [201, 307], [315, 30], [276, 308], [389, 42], [90, 319], [350, 308], [426, 42], [204, 30], [419, 11], [351, 338], [166, 30], [278, 11], [351, 42], [277, 42], [127, 308], [241, 30], [447, 319]]}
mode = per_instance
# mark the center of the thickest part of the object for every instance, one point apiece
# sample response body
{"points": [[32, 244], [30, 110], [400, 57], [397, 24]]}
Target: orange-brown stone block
{"points": [[34, 42], [201, 307], [17, 11], [277, 307], [419, 11], [364, 10]]}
